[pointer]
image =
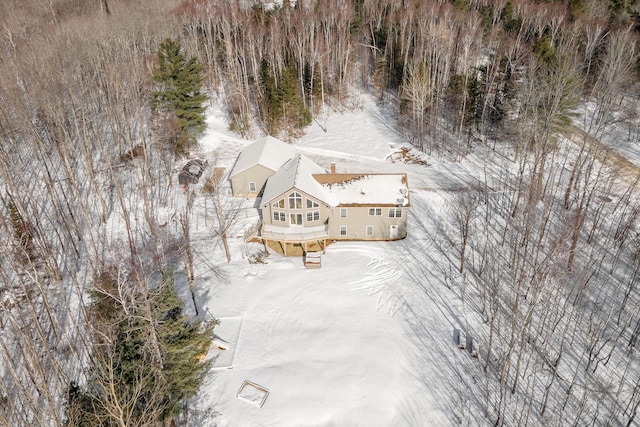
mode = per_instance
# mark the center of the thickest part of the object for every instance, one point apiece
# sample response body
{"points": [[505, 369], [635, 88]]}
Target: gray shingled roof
{"points": [[268, 151]]}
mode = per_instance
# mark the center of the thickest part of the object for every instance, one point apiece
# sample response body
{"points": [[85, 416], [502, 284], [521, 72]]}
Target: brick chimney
{"points": [[333, 167]]}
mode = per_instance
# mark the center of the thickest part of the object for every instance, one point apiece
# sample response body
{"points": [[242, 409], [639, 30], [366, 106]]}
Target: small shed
{"points": [[192, 171]]}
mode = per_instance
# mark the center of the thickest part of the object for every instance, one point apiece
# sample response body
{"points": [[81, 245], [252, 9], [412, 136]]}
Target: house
{"points": [[367, 206], [303, 205], [294, 206], [256, 163]]}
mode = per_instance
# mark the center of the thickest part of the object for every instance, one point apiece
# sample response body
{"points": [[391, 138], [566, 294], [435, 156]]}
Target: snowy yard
{"points": [[501, 138], [366, 340]]}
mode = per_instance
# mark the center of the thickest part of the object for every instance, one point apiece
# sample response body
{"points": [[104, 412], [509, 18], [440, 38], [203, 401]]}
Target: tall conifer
{"points": [[129, 380], [178, 92]]}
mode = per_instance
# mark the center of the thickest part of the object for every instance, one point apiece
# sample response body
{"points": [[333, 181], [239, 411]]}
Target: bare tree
{"points": [[466, 207], [226, 208]]}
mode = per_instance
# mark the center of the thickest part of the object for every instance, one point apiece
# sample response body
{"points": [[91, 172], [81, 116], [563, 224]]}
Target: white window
{"points": [[295, 200], [279, 216], [343, 230], [279, 204], [252, 187], [343, 212], [313, 216], [311, 204], [395, 212], [375, 211], [369, 230], [296, 219]]}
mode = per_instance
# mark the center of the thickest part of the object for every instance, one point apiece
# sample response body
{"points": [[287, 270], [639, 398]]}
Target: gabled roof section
{"points": [[268, 152], [299, 173], [366, 189]]}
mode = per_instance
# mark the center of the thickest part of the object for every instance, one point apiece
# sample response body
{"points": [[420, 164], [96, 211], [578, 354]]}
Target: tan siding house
{"points": [[305, 206], [294, 212], [256, 163], [283, 211], [367, 206], [251, 181], [368, 223]]}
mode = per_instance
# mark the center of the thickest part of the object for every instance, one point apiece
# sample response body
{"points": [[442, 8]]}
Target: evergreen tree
{"points": [[179, 82], [544, 50], [272, 104], [283, 105], [295, 114], [127, 384], [183, 345]]}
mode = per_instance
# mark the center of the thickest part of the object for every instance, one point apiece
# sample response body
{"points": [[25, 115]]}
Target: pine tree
{"points": [[283, 105], [125, 383], [272, 110], [179, 83], [295, 114], [183, 344]]}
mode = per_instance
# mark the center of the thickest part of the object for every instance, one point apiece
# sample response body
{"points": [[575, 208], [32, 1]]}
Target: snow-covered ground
{"points": [[366, 340], [622, 133]]}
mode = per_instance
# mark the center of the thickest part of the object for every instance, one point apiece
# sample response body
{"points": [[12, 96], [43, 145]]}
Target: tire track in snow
{"points": [[381, 278], [377, 282]]}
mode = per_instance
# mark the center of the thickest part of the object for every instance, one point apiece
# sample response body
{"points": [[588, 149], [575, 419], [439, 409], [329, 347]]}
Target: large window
{"points": [[296, 219], [369, 230], [375, 211], [311, 204], [313, 216], [252, 187], [343, 212], [343, 230], [295, 200], [279, 216], [395, 212]]}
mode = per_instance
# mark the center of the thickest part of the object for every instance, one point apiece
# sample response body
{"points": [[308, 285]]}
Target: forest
{"points": [[91, 329]]}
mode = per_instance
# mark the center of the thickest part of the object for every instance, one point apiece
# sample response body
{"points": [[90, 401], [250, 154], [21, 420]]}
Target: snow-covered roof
{"points": [[337, 189], [297, 172], [267, 151], [366, 189]]}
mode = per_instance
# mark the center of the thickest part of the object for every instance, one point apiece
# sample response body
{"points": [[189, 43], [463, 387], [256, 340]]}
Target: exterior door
{"points": [[393, 231], [296, 219]]}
